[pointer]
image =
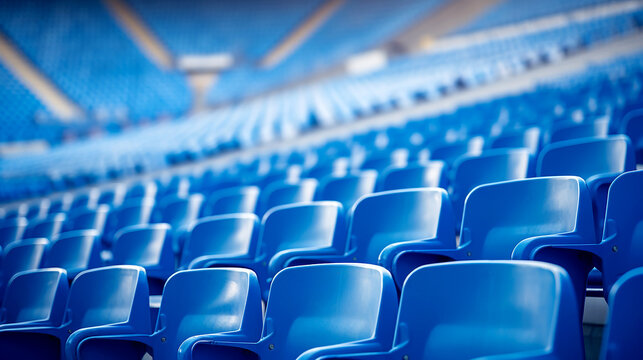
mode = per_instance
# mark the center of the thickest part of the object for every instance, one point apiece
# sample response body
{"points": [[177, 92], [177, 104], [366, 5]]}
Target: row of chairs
{"points": [[521, 310]]}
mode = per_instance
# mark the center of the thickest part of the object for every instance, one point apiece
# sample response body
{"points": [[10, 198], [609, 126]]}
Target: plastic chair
{"points": [[597, 161], [104, 301], [449, 153], [20, 256], [48, 227], [315, 311], [347, 189], [502, 216], [179, 212], [87, 219], [231, 201], [432, 174], [74, 251], [11, 230], [132, 212], [528, 138], [86, 200], [145, 189], [596, 128], [283, 193], [289, 232], [194, 302], [622, 335], [112, 197], [617, 253], [34, 298], [222, 237], [633, 128], [522, 310], [149, 246], [492, 166]]}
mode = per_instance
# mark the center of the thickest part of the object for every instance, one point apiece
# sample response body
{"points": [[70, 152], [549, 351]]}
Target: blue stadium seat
{"points": [[449, 153], [34, 298], [230, 201], [528, 138], [502, 216], [87, 219], [74, 251], [288, 233], [149, 246], [432, 174], [87, 199], [20, 256], [104, 301], [489, 167], [447, 324], [194, 302], [132, 212], [222, 237], [48, 227], [622, 335], [596, 128], [143, 189], [633, 128], [346, 189], [11, 230], [179, 212], [283, 193], [60, 204], [311, 314], [617, 253], [597, 161]]}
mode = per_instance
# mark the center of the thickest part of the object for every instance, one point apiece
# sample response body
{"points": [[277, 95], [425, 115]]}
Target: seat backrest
{"points": [[498, 216], [74, 251], [528, 138], [109, 295], [623, 233], [633, 128], [132, 212], [622, 335], [449, 153], [499, 307], [146, 245], [22, 255], [222, 235], [315, 225], [595, 128], [48, 227], [143, 189], [347, 189], [11, 230], [431, 174], [88, 219], [112, 197], [208, 301], [587, 157], [232, 201], [36, 296], [318, 305], [492, 166], [180, 211], [86, 199], [283, 193], [384, 218]]}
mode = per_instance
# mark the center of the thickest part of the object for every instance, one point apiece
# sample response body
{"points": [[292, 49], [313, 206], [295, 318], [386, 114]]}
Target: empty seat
{"points": [[597, 161], [347, 189], [449, 153], [86, 200], [595, 128], [222, 237], [179, 212], [35, 298], [282, 193], [313, 311], [230, 201], [112, 197], [633, 128], [149, 246], [74, 251], [132, 212], [109, 300], [20, 256], [11, 230], [87, 219], [489, 167], [622, 335], [290, 232], [618, 252], [194, 302], [61, 204], [501, 216], [528, 138], [145, 189], [46, 228], [432, 174], [521, 310]]}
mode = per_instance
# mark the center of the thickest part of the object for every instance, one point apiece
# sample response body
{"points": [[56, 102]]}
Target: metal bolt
{"points": [[405, 357], [271, 346], [468, 253], [163, 339], [69, 331], [354, 258], [614, 248]]}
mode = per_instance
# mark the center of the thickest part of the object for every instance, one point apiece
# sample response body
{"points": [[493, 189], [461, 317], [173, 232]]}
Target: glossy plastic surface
{"points": [[232, 201], [74, 251]]}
